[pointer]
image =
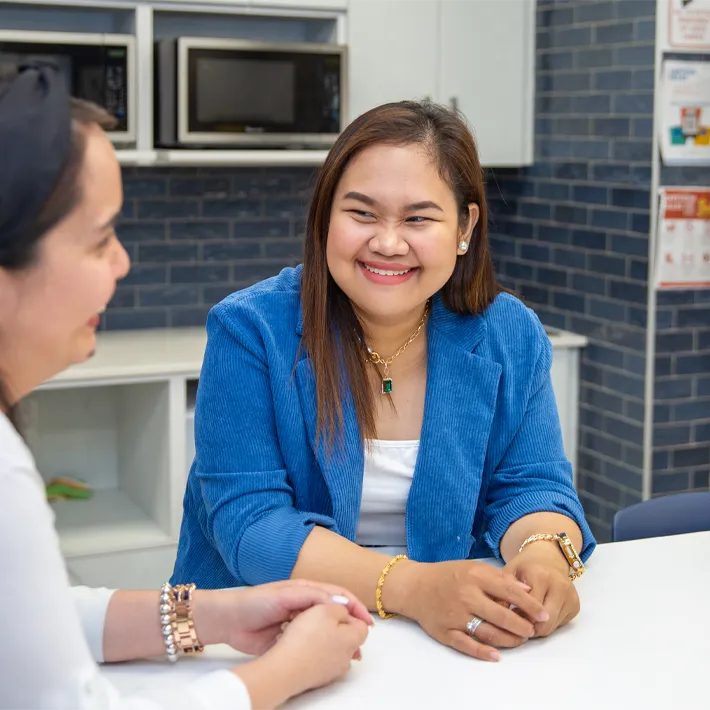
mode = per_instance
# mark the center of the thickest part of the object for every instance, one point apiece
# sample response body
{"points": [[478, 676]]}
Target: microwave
{"points": [[96, 67], [245, 94]]}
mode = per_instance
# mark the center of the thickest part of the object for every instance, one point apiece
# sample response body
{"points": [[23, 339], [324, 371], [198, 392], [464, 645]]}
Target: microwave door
{"points": [[63, 62], [253, 96], [260, 94], [232, 98], [94, 72]]}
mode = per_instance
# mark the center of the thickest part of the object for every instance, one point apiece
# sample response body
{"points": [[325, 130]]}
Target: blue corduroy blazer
{"points": [[490, 448]]}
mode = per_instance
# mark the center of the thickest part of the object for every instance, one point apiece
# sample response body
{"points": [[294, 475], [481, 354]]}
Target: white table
{"points": [[641, 642]]}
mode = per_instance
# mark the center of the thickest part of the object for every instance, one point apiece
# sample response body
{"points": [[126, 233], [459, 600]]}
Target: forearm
{"points": [[535, 523], [328, 557], [132, 628]]}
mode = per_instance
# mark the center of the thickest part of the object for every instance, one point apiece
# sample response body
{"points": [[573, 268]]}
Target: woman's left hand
{"points": [[542, 566], [250, 619]]}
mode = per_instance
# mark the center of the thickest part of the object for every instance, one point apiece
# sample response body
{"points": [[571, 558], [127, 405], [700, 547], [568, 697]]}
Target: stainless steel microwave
{"points": [[241, 93], [97, 67]]}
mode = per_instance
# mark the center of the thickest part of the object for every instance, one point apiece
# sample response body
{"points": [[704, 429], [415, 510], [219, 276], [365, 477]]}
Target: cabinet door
{"points": [[488, 70], [393, 52]]}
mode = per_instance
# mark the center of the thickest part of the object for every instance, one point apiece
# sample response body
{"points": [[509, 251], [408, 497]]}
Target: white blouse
{"points": [[52, 634], [387, 478]]}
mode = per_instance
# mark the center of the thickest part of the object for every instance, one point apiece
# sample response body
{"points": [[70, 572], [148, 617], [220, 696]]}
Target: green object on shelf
{"points": [[68, 489]]}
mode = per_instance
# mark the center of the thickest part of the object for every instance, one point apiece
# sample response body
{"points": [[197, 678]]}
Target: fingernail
{"points": [[358, 655], [340, 599], [526, 587], [494, 655], [543, 616]]}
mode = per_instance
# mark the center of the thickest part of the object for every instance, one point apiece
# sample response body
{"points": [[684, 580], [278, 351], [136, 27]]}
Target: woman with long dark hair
{"points": [[60, 259], [383, 414]]}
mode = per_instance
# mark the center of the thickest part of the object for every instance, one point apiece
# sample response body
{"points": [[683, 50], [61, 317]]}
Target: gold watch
{"points": [[576, 566]]}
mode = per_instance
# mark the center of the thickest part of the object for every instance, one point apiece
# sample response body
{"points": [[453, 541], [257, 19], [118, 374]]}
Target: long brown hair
{"points": [[22, 252], [332, 333]]}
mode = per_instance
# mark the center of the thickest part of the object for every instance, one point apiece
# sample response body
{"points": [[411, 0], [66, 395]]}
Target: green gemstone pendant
{"points": [[386, 385]]}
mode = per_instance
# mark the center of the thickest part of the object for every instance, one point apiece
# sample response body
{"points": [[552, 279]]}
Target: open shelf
{"points": [[242, 158], [117, 439], [136, 157], [221, 158], [314, 21], [107, 522]]}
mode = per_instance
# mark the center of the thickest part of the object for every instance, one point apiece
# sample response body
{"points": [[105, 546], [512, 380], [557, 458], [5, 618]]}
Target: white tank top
{"points": [[387, 478]]}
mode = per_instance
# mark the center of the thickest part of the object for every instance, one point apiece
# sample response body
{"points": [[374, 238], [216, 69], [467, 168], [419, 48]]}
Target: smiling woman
{"points": [[388, 400], [60, 259]]}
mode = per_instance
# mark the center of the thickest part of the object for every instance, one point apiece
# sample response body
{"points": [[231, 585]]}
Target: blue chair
{"points": [[669, 515]]}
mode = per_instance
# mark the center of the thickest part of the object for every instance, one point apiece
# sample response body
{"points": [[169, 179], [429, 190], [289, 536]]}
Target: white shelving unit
{"points": [[149, 20], [119, 422], [123, 422], [385, 63]]}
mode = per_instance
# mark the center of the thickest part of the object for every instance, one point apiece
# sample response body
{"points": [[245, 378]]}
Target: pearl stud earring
{"points": [[463, 246]]}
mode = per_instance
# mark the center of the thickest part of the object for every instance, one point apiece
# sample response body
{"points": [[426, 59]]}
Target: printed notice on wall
{"points": [[689, 25], [683, 253], [683, 113]]}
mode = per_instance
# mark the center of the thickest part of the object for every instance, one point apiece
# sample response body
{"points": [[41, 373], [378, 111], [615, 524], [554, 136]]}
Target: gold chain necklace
{"points": [[377, 359]]}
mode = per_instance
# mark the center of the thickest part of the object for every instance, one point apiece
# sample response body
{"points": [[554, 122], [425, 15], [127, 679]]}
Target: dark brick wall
{"points": [[197, 235], [681, 428], [571, 232]]}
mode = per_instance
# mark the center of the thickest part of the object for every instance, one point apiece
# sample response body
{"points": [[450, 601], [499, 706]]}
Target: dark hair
{"points": [[332, 333], [64, 197]]}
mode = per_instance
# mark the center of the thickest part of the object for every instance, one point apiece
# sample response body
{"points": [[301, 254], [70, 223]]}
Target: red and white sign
{"points": [[689, 24], [683, 258]]}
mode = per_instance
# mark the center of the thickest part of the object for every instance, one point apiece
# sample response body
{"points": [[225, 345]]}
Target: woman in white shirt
{"points": [[60, 259]]}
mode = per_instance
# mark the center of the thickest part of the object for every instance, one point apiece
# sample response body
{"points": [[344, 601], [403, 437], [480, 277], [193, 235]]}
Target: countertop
{"points": [[134, 355]]}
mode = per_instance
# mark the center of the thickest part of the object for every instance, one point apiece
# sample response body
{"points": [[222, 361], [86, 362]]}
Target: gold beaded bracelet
{"points": [[378, 593]]}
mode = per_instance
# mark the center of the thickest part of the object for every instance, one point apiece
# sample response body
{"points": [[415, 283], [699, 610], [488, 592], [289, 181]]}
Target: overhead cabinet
{"points": [[474, 55]]}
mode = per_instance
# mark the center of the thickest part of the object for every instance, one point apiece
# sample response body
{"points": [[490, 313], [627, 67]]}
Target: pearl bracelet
{"points": [[168, 621]]}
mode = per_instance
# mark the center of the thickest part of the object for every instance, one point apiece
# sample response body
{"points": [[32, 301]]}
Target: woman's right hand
{"points": [[444, 596], [315, 649], [322, 641]]}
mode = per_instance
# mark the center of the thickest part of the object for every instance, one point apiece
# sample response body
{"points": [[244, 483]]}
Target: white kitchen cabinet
{"points": [[392, 52], [478, 55], [486, 69]]}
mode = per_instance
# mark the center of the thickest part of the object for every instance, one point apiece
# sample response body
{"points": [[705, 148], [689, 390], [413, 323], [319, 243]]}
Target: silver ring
{"points": [[472, 626]]}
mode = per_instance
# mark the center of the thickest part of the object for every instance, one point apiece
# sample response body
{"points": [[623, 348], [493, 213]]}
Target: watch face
{"points": [[573, 559]]}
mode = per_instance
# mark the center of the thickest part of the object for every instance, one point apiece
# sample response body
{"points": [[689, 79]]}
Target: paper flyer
{"points": [[689, 25], [684, 113], [683, 239]]}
